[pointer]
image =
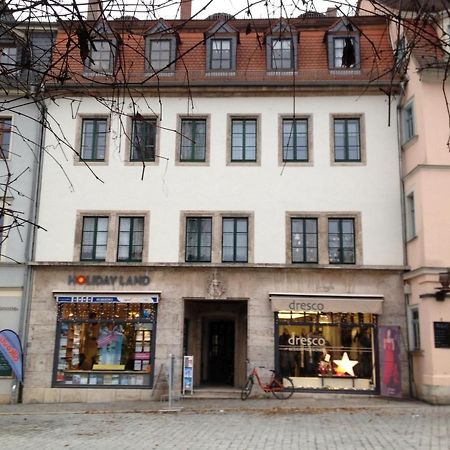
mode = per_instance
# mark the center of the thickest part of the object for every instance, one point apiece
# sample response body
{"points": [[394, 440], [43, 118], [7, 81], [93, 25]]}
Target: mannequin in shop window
{"points": [[285, 354], [362, 338]]}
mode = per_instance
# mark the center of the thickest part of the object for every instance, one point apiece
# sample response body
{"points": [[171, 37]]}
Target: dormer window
{"points": [[281, 49], [343, 46], [282, 54], [344, 52], [160, 49], [101, 57], [220, 53], [221, 48], [160, 54], [8, 59]]}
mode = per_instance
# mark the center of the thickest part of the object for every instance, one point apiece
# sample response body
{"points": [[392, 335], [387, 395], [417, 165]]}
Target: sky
{"points": [[169, 9]]}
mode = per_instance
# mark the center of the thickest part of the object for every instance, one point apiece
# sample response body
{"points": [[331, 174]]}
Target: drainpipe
{"points": [[31, 245], [404, 236]]}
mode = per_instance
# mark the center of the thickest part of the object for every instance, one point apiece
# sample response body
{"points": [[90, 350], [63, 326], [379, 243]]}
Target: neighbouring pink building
{"points": [[421, 42]]}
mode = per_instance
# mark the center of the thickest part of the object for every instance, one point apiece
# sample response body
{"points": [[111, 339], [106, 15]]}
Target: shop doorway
{"points": [[215, 333], [220, 352]]}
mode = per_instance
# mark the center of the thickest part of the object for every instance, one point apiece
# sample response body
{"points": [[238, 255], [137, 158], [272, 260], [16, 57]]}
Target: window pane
{"points": [[160, 54], [241, 225], [143, 140]]}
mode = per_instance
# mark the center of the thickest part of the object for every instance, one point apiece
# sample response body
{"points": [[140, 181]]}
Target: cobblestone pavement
{"points": [[228, 424]]}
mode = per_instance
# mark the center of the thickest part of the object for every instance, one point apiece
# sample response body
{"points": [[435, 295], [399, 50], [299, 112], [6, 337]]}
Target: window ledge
{"points": [[416, 352], [345, 71], [221, 73], [348, 163], [97, 74], [281, 72], [162, 73], [411, 141]]}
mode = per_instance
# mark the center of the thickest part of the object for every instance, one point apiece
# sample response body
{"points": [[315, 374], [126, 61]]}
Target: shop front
{"points": [[327, 342], [105, 340]]}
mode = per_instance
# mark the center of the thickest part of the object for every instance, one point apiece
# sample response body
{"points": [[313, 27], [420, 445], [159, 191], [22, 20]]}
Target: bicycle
{"points": [[281, 387]]}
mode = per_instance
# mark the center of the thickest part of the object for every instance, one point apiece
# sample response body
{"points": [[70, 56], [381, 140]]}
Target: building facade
{"points": [[20, 134], [420, 40], [238, 202]]}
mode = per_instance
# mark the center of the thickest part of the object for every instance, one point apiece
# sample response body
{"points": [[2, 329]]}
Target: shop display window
{"points": [[327, 350], [105, 344]]}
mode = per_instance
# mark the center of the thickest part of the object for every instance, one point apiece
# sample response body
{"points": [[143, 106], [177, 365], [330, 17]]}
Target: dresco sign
{"points": [[305, 306]]}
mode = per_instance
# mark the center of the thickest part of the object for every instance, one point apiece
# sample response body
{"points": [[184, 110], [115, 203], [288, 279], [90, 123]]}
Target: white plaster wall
{"points": [[371, 189]]}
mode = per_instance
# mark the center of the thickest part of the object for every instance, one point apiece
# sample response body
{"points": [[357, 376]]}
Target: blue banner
{"points": [[11, 349]]}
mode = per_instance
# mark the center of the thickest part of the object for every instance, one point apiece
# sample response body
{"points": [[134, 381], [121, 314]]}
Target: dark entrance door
{"points": [[221, 352]]}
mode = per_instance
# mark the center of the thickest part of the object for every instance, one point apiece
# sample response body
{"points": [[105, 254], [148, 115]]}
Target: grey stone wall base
{"points": [[436, 395]]}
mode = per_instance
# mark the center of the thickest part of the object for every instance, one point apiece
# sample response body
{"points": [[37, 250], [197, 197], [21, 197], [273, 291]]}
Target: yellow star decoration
{"points": [[345, 365]]}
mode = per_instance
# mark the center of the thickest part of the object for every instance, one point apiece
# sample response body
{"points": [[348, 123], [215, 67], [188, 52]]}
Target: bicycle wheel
{"points": [[247, 389], [282, 388]]}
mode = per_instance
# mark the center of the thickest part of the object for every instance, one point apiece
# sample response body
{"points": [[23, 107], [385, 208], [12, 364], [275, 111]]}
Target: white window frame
{"points": [[414, 328], [408, 122], [410, 212]]}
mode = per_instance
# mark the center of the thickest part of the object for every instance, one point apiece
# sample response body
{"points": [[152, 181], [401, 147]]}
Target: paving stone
{"points": [[264, 424]]}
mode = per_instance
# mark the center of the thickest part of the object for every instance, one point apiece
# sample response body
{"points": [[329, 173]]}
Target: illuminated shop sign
{"points": [[305, 306], [109, 280], [335, 303], [307, 341], [107, 299]]}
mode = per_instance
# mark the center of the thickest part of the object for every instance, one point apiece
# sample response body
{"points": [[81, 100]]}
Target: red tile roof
{"points": [[312, 61]]}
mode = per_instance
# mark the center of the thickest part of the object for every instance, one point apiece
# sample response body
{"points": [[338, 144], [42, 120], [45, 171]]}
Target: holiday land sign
{"points": [[109, 280]]}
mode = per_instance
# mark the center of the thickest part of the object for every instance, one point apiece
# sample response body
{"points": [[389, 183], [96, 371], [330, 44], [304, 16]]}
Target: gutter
{"points": [[31, 246], [411, 381]]}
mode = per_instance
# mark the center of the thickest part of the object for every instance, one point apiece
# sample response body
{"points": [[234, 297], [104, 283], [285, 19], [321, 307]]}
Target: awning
{"points": [[106, 297], [344, 303]]}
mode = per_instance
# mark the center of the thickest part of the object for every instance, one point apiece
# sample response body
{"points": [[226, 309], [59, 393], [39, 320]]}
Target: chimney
{"points": [[95, 10], [185, 9], [331, 12]]}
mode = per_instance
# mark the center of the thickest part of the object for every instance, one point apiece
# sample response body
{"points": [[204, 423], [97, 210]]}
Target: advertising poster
{"points": [[188, 374], [389, 350]]}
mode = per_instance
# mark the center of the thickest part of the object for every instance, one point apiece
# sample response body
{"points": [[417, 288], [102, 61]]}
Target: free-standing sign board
{"points": [[188, 374]]}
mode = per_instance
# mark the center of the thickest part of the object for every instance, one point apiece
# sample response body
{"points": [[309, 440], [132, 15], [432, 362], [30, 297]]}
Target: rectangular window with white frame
{"points": [[347, 140], [345, 52], [221, 57], [410, 216], [243, 140], [94, 238], [143, 140], [160, 54], [101, 57], [2, 233], [198, 239], [282, 54], [408, 122], [235, 239], [8, 59], [414, 328], [304, 242], [131, 239], [341, 241], [193, 140], [295, 140], [5, 137], [93, 139]]}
